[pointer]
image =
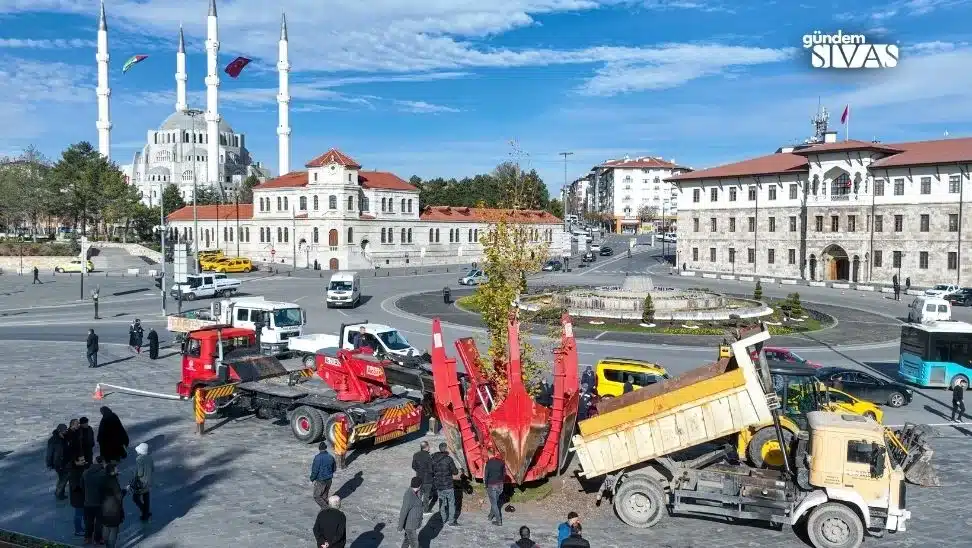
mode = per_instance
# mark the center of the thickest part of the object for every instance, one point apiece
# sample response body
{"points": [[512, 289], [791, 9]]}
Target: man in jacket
{"points": [[422, 464], [94, 487], [563, 530], [112, 506], [76, 490], [112, 437], [36, 277], [410, 517], [153, 339], [92, 349], [444, 472], [330, 528], [494, 476], [59, 459], [575, 540], [524, 541], [135, 335], [360, 339], [322, 472], [628, 385], [588, 376], [958, 402], [87, 436], [142, 481]]}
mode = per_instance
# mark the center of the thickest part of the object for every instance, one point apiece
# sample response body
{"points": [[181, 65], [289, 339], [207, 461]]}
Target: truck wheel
{"points": [[639, 502], [190, 296], [310, 361], [833, 525], [764, 449], [307, 424]]}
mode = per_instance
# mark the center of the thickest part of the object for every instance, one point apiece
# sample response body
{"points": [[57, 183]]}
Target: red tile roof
{"points": [[383, 180], [334, 156], [923, 153], [772, 164], [849, 145], [486, 215], [646, 162], [208, 213], [289, 180]]}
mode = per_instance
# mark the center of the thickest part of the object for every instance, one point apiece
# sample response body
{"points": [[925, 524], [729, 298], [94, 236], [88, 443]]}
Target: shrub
{"points": [[796, 307], [648, 310], [758, 292]]}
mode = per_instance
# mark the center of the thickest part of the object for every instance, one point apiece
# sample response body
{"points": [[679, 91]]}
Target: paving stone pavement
{"points": [[245, 482]]}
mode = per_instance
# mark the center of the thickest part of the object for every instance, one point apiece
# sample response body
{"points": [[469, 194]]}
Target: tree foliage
{"points": [[206, 195], [489, 190], [758, 292], [172, 199], [648, 310], [246, 190], [648, 213]]}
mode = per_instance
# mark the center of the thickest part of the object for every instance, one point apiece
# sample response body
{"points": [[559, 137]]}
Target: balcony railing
{"points": [[840, 197]]}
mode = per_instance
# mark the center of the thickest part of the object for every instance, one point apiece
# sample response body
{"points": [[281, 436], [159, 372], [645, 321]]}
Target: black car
{"points": [[962, 297], [606, 251], [866, 386], [589, 257]]}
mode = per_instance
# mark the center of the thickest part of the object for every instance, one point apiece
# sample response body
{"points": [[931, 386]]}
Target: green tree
{"points": [[81, 178], [206, 195], [246, 190], [144, 219], [120, 202], [758, 292], [648, 310], [556, 208], [172, 199]]}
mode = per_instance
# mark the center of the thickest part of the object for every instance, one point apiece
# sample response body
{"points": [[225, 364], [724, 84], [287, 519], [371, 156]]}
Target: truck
{"points": [[344, 398], [386, 342], [199, 286], [656, 449], [279, 321]]}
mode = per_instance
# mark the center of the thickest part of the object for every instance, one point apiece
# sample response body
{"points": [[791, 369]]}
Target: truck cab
{"points": [[280, 320], [201, 350]]}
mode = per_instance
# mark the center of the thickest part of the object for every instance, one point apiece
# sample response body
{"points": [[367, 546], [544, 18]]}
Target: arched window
{"points": [[315, 202], [350, 203], [383, 235], [410, 235], [279, 203], [350, 235], [315, 235], [279, 234], [476, 235], [402, 238], [391, 235], [286, 234], [286, 205], [402, 209], [332, 237], [246, 234], [187, 176], [384, 205], [410, 206], [437, 235], [332, 202], [450, 235], [431, 235], [303, 203], [365, 204], [469, 236]]}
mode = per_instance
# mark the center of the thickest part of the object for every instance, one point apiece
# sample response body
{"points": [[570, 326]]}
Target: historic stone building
{"points": [[833, 210]]}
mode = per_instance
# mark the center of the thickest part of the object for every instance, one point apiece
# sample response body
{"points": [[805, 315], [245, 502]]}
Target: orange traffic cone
{"points": [[99, 393]]}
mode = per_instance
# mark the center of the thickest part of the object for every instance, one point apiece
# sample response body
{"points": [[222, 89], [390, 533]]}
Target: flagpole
{"points": [[847, 126]]}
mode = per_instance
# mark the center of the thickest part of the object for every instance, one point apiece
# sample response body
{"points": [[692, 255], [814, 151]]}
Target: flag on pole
{"points": [[845, 115], [236, 66], [132, 62]]}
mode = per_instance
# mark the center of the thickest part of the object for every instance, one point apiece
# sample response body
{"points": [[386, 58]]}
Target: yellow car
{"points": [[74, 267], [234, 265], [211, 263], [611, 374], [843, 401]]}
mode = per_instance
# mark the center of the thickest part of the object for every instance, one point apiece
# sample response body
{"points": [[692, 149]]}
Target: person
{"points": [[422, 464], [92, 349], [76, 493], [87, 440], [907, 284], [897, 290], [563, 530], [410, 517], [330, 527], [73, 439], [135, 334], [587, 377], [36, 277], [524, 541], [112, 437], [629, 384], [153, 339], [322, 472], [575, 540], [94, 486], [586, 399], [142, 480], [360, 340], [58, 459], [494, 476], [112, 506], [958, 402], [94, 298], [444, 471]]}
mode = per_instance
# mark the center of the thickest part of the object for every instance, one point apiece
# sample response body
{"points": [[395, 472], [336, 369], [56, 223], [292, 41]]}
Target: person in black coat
{"points": [[153, 339], [58, 458], [958, 402], [112, 506], [422, 464], [112, 437], [135, 335], [91, 350], [575, 540], [87, 436], [330, 528], [76, 494]]}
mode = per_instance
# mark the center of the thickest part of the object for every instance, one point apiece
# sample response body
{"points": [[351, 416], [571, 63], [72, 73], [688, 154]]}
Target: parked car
{"points": [[74, 266], [237, 264], [589, 257], [845, 402], [929, 309], [596, 248], [941, 290], [866, 386], [962, 297], [473, 277], [784, 356], [606, 251], [612, 373], [553, 266]]}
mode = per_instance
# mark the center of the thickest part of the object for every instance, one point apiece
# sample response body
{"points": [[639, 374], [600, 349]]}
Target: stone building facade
{"points": [[850, 211]]}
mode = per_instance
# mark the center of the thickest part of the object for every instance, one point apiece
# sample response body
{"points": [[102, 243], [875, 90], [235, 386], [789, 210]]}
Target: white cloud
{"points": [[25, 83], [421, 107], [29, 43], [901, 8]]}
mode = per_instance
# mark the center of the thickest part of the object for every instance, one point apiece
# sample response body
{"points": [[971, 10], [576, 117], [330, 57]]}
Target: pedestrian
{"points": [[494, 476], [422, 464], [153, 339], [135, 335], [897, 291], [575, 540], [585, 403], [112, 437], [37, 277], [563, 530], [958, 402], [322, 472], [410, 517], [444, 472], [330, 527], [95, 293], [73, 439], [87, 440], [94, 487], [587, 377], [76, 493], [628, 384], [92, 349], [359, 339], [142, 481], [112, 506], [58, 459], [907, 284], [524, 541]]}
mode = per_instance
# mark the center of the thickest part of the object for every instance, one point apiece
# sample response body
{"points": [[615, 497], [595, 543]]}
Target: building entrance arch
{"points": [[836, 263]]}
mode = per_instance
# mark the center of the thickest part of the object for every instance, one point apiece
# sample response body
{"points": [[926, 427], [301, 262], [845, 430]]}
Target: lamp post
{"points": [[193, 114], [565, 155], [162, 232]]}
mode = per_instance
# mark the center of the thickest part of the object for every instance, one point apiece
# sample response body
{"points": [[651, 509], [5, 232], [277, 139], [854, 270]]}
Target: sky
{"points": [[451, 88]]}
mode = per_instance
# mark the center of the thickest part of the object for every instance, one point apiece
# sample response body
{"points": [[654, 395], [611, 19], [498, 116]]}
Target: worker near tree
{"points": [[494, 476], [958, 402], [410, 517], [330, 528], [444, 472], [322, 472], [422, 464], [629, 384], [153, 339]]}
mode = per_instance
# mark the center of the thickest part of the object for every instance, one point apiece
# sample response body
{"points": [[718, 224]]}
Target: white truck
{"points": [[280, 320], [198, 286], [386, 341]]}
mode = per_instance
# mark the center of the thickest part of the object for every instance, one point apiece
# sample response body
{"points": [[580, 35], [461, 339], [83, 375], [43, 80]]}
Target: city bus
{"points": [[936, 354]]}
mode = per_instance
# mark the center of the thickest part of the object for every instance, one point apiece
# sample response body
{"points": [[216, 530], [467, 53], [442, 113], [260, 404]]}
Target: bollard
{"points": [[446, 295], [432, 426], [387, 273]]}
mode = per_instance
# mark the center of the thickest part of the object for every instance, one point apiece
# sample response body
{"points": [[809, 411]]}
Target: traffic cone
{"points": [[99, 394]]}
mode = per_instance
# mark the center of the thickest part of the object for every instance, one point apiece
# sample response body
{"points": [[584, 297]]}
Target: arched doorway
{"points": [[813, 267], [856, 269], [332, 264], [837, 263]]}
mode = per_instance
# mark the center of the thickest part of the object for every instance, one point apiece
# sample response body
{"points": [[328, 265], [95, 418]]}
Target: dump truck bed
{"points": [[699, 406]]}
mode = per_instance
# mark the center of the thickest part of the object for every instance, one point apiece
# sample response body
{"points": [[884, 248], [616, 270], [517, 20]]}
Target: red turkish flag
{"points": [[234, 68]]}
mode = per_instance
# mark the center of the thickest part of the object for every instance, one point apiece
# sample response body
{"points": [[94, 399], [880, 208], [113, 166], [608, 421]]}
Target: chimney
{"points": [[830, 137]]}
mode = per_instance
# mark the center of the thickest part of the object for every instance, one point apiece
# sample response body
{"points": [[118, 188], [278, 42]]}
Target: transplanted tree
{"points": [[648, 213]]}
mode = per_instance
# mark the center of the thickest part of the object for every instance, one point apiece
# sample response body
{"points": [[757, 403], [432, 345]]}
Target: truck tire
{"points": [[307, 424], [763, 449], [640, 502], [310, 361], [189, 296], [834, 525]]}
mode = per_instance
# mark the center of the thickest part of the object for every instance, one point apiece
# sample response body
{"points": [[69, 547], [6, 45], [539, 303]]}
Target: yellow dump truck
{"points": [[657, 449]]}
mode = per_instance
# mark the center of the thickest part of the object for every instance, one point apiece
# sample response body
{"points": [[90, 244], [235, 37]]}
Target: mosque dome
{"points": [[183, 121]]}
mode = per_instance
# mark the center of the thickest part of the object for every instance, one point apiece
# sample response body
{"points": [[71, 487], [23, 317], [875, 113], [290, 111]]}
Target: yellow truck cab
{"points": [[611, 373]]}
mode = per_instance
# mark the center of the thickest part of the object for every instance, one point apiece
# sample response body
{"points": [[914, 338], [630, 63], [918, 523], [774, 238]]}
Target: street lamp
{"points": [[193, 114], [161, 229]]}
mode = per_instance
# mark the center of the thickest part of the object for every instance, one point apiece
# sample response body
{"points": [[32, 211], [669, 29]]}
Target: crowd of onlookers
{"points": [[91, 483]]}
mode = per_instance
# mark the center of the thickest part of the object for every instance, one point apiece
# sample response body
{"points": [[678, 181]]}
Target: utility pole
{"points": [[566, 190], [162, 231], [193, 114]]}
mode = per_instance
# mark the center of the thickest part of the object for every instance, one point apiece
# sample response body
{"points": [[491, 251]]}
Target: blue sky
{"points": [[441, 87]]}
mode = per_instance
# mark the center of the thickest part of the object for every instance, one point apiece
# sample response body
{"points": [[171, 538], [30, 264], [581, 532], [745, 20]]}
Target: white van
{"points": [[344, 289], [929, 309]]}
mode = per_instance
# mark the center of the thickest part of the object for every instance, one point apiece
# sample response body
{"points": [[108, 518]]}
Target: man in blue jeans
{"points": [[444, 471], [322, 472], [494, 476]]}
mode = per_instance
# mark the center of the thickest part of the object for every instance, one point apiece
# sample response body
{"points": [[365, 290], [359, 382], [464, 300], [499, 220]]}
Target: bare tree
{"points": [[648, 213]]}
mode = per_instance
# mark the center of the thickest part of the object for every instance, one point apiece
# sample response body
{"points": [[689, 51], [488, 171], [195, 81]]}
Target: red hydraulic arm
{"points": [[566, 397], [354, 376], [449, 405]]}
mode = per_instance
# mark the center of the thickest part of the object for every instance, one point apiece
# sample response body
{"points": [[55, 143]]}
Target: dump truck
{"points": [[658, 450]]}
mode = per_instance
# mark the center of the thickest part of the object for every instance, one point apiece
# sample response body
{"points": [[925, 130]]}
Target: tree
{"points": [[246, 190], [85, 182], [648, 213], [758, 292], [207, 195], [556, 208], [143, 222], [172, 199], [648, 310]]}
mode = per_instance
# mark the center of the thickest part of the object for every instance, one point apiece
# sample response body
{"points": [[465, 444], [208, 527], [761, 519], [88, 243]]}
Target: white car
{"points": [[473, 277], [941, 290], [596, 248]]}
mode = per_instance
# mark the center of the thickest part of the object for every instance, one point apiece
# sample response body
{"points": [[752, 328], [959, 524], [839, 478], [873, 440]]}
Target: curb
{"points": [[13, 539]]}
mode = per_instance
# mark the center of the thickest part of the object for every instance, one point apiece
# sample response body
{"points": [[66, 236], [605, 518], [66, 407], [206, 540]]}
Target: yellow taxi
{"points": [[611, 374], [237, 264], [74, 266], [210, 263], [845, 402]]}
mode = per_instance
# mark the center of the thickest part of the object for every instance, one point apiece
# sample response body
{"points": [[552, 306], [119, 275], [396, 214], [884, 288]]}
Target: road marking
{"points": [[343, 313], [298, 299], [610, 261], [601, 334]]}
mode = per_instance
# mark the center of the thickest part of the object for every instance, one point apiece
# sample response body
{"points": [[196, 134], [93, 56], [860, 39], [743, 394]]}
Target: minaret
{"points": [[283, 99], [212, 98], [103, 91], [180, 74]]}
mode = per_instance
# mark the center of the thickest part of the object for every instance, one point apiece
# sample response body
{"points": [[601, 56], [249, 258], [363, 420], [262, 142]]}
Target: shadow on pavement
{"points": [[350, 486], [431, 530], [370, 539]]}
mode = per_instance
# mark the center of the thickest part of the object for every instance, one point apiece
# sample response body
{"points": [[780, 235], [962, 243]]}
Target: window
{"points": [[732, 194], [350, 235], [261, 235], [409, 234], [732, 255], [878, 223], [286, 234], [792, 223], [469, 236], [752, 193], [878, 258], [859, 452], [819, 223], [896, 259], [790, 256], [696, 195], [384, 235], [350, 203], [954, 184], [953, 222], [279, 234], [926, 185], [391, 235], [286, 205], [712, 224], [794, 190], [714, 194], [898, 223], [316, 203], [695, 254], [450, 235], [751, 255], [772, 193], [437, 235], [303, 203], [952, 260], [695, 224], [384, 205], [772, 224], [332, 202], [365, 204], [402, 208], [852, 223], [923, 260], [246, 234], [409, 205], [879, 187], [899, 187], [732, 224], [279, 202], [431, 235], [834, 223], [391, 205], [923, 223], [770, 256], [751, 223], [315, 237], [712, 254]]}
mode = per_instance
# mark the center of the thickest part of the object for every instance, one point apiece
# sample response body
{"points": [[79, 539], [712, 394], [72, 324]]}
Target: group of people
{"points": [[91, 483], [136, 338]]}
